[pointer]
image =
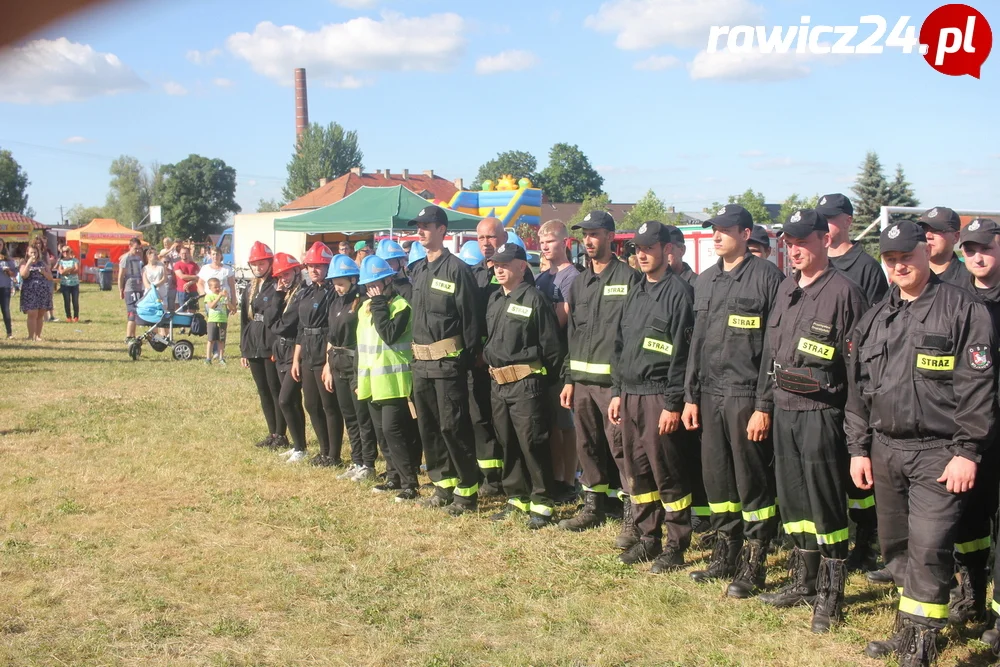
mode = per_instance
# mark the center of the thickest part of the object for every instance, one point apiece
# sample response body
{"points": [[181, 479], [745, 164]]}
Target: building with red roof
{"points": [[427, 184]]}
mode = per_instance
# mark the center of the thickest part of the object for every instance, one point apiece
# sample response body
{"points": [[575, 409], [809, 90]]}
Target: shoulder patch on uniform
{"points": [[980, 358], [821, 328]]}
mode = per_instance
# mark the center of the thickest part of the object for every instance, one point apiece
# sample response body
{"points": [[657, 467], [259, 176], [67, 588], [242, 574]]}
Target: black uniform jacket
{"points": [[807, 333], [283, 323], [688, 275], [865, 270], [651, 348], [956, 273], [403, 287], [444, 305], [256, 340], [922, 374], [522, 329], [991, 297], [486, 280], [596, 302], [731, 313], [342, 331], [314, 312]]}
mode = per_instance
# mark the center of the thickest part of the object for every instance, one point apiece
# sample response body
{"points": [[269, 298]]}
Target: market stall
{"points": [[100, 242], [17, 230]]}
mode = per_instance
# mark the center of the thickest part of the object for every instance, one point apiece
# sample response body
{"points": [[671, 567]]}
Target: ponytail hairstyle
{"points": [[296, 284]]}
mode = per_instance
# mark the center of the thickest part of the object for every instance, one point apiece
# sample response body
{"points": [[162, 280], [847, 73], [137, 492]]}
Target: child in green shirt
{"points": [[217, 305]]}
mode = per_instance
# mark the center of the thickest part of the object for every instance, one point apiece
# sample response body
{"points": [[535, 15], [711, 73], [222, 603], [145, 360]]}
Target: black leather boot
{"points": [[629, 534], [968, 599], [863, 557], [590, 515], [724, 562], [751, 571], [829, 607], [884, 647], [803, 568], [992, 637], [917, 646]]}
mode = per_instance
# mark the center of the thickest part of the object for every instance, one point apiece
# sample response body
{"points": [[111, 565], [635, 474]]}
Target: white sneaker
{"points": [[349, 472], [287, 454], [364, 474], [296, 457]]}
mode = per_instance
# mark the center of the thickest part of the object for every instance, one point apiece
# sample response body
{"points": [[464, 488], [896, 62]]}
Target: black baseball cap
{"points": [[835, 204], [652, 232], [731, 215], [430, 213], [676, 235], [596, 220], [901, 236], [804, 222], [941, 219], [759, 236], [980, 230], [508, 252]]}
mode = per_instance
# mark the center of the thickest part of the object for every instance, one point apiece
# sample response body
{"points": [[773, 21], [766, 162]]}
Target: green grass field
{"points": [[139, 526]]}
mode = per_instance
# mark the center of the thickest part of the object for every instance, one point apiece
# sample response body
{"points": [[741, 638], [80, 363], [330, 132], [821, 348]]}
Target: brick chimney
{"points": [[356, 171], [429, 173], [378, 172], [459, 184], [386, 173], [323, 182], [406, 174], [301, 103]]}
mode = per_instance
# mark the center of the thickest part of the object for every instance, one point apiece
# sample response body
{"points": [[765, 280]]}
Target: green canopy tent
{"points": [[370, 210]]}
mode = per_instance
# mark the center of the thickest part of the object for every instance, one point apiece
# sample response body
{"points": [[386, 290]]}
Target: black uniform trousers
{"points": [[290, 403], [975, 528], [395, 427], [265, 376], [489, 455], [357, 418], [738, 473], [860, 504], [324, 413], [658, 470], [917, 523], [522, 424], [810, 453], [598, 441], [446, 433]]}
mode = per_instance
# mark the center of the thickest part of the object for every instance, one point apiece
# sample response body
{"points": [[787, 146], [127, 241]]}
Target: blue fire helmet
{"points": [[417, 252], [389, 249], [342, 266], [515, 239], [470, 253], [374, 269]]}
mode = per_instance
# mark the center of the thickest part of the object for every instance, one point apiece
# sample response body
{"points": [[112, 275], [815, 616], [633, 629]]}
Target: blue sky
{"points": [[431, 84]]}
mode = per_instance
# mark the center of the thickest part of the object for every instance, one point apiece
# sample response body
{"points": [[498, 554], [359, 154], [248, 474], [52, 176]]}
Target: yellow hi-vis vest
{"points": [[384, 370]]}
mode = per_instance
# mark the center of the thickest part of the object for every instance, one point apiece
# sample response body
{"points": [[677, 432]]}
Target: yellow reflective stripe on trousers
{"points": [[543, 510], [701, 510], [593, 369], [982, 544], [924, 609], [519, 504], [678, 505], [763, 514], [835, 537], [447, 483], [800, 527], [861, 503], [467, 491], [725, 508], [488, 464], [996, 607], [615, 493], [643, 498], [600, 488]]}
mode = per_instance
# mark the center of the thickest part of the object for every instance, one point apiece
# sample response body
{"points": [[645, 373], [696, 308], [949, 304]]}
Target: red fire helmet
{"points": [[319, 254], [259, 251], [283, 262]]}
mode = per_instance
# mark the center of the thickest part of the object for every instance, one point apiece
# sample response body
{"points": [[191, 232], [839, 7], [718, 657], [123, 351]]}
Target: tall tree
{"points": [[197, 196], [128, 196], [268, 205], [80, 215], [13, 186], [598, 202], [569, 176], [794, 203], [321, 152], [649, 207], [871, 193], [519, 164], [900, 191]]}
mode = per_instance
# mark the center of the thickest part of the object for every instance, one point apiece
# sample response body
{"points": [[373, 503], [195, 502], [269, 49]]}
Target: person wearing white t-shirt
{"points": [[216, 269]]}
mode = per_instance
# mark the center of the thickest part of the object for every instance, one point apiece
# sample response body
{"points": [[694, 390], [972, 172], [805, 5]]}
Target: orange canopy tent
{"points": [[101, 241]]}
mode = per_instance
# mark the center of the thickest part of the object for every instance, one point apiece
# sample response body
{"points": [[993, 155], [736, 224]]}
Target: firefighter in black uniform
{"points": [[678, 266], [489, 455], [256, 342], [524, 353], [759, 244], [942, 225], [724, 394], [816, 309], [850, 258], [446, 340], [921, 414], [648, 364], [282, 318], [596, 300]]}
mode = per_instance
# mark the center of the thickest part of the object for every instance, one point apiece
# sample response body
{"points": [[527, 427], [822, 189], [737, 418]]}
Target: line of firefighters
{"points": [[741, 397]]}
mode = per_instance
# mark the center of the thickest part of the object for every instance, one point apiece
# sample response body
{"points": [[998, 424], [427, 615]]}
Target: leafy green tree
{"points": [[198, 194], [794, 203], [649, 207], [128, 196], [871, 193], [569, 176], [900, 191], [598, 202], [321, 152], [519, 164], [268, 205], [13, 186], [80, 215]]}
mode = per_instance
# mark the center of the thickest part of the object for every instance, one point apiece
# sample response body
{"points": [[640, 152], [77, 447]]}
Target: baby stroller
{"points": [[149, 312]]}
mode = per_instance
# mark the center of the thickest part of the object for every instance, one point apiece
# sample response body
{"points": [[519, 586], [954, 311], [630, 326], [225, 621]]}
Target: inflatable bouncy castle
{"points": [[512, 202]]}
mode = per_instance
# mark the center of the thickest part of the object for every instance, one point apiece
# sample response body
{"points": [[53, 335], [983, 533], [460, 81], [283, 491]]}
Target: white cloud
{"points": [[223, 83], [654, 63], [251, 182], [506, 61], [647, 24], [77, 140], [752, 67], [390, 43], [752, 153], [356, 4], [203, 57], [47, 71], [174, 88]]}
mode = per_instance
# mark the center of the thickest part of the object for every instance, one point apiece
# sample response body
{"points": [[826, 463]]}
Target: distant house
{"points": [[427, 185]]}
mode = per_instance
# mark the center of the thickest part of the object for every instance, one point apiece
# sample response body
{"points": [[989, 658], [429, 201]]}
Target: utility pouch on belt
{"points": [[438, 350], [346, 351], [508, 374], [413, 408], [797, 380]]}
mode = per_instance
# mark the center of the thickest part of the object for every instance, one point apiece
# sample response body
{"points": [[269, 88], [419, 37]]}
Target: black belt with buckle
{"points": [[314, 331], [346, 351]]}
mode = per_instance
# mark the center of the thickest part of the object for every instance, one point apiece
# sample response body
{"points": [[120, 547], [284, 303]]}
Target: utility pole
{"points": [[62, 220]]}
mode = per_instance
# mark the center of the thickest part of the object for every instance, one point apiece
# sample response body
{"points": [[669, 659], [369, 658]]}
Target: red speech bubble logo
{"points": [[956, 40]]}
